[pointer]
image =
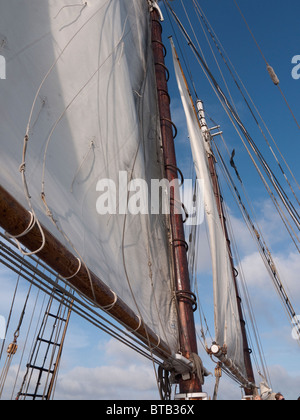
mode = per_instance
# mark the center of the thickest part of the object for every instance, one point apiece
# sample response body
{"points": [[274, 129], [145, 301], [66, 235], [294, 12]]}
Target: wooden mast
{"points": [[188, 341]]}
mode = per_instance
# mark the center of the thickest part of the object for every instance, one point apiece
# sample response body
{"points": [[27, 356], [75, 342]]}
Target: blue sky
{"points": [[89, 355]]}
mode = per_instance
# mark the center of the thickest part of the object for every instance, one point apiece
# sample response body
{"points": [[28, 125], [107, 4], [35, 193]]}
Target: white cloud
{"points": [[284, 254], [273, 325], [284, 382], [124, 375], [271, 223], [257, 276], [289, 267], [108, 383]]}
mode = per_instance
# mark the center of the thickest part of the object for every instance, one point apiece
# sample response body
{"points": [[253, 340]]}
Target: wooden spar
{"points": [[14, 219], [187, 331], [217, 193]]}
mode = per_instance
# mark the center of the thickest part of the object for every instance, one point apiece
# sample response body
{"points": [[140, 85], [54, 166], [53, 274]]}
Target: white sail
{"points": [[227, 320], [80, 85]]}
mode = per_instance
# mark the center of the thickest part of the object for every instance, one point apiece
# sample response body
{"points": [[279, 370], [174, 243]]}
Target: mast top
{"points": [[153, 5]]}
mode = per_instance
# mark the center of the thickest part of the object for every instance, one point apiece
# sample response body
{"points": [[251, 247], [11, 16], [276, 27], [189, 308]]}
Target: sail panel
{"points": [[81, 87], [227, 320]]}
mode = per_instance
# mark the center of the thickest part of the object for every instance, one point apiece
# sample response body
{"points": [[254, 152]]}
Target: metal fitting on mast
{"points": [[205, 130], [221, 354], [153, 5]]}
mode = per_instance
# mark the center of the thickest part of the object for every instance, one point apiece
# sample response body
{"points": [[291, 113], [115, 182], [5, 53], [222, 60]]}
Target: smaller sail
{"points": [[227, 320]]}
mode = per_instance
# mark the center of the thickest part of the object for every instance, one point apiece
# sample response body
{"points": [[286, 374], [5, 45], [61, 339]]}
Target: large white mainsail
{"points": [[227, 319], [80, 78]]}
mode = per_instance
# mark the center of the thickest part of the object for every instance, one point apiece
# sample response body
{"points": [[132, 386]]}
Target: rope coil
{"points": [[158, 343], [27, 230], [33, 221], [74, 275], [139, 326], [111, 306]]}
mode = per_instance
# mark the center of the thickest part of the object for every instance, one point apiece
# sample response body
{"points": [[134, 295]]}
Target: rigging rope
{"points": [[82, 5], [151, 348], [263, 248], [246, 299], [218, 376], [233, 116], [198, 368], [81, 306], [271, 71], [34, 219], [44, 282], [165, 387], [11, 310], [200, 17], [13, 347], [232, 70]]}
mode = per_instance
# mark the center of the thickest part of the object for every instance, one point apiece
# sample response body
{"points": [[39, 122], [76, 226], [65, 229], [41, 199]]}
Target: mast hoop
{"points": [[165, 68], [186, 214], [181, 243], [162, 45], [164, 92], [170, 121], [185, 294], [181, 206], [177, 170]]}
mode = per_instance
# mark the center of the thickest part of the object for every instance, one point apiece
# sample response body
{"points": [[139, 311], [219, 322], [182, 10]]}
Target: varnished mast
{"points": [[188, 341]]}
